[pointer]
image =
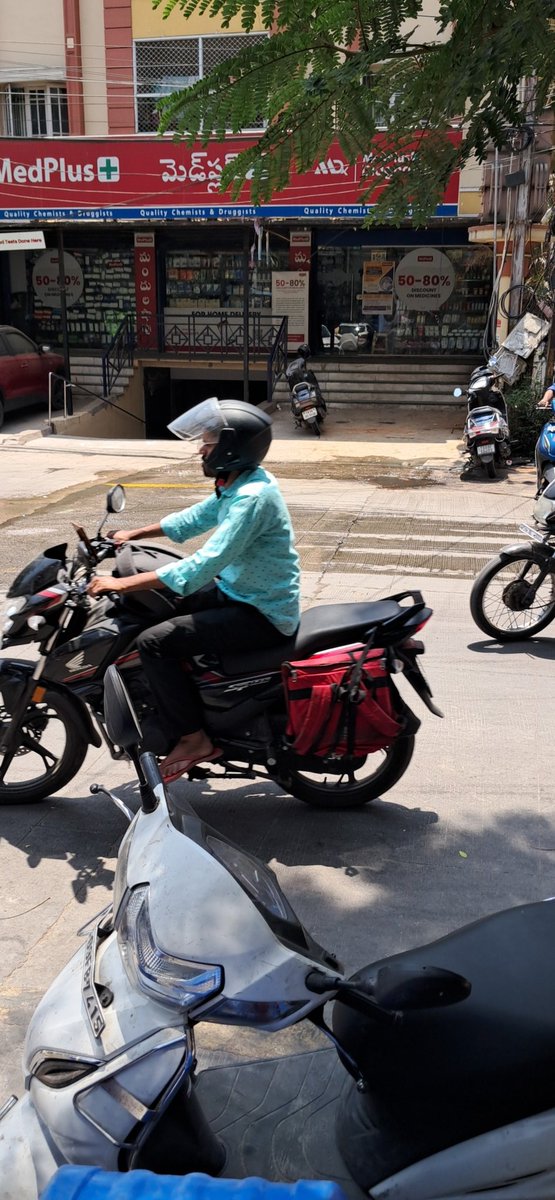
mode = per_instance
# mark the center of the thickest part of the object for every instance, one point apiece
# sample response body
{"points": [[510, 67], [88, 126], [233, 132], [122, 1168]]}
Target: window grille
{"points": [[166, 65], [34, 112]]}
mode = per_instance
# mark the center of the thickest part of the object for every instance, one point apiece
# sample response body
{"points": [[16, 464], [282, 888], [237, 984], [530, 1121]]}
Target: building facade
{"points": [[146, 233]]}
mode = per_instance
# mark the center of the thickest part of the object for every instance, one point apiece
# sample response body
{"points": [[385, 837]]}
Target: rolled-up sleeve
{"points": [[227, 543], [199, 518]]}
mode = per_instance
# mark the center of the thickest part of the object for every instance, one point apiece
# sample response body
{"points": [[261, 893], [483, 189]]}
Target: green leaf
{"points": [[339, 69]]}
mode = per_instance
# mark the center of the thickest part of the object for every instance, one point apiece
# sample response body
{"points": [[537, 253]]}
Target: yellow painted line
{"points": [[146, 486]]}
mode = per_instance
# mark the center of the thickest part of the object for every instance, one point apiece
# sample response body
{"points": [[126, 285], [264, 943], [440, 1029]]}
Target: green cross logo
{"points": [[107, 170]]}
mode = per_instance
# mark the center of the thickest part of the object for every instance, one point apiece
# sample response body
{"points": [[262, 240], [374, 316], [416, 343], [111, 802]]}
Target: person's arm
{"points": [[245, 520], [134, 535], [179, 526], [130, 583], [547, 397]]}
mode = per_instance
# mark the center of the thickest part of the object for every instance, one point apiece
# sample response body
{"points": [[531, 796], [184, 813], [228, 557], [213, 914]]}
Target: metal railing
{"points": [[277, 362], [192, 336], [217, 335], [68, 388], [118, 355]]}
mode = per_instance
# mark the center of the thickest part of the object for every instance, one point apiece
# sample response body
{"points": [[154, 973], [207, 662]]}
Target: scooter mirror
{"points": [[403, 989], [120, 717], [457, 392], [115, 500]]}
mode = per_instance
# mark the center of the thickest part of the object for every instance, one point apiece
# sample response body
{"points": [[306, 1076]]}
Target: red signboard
{"points": [[145, 291], [300, 242], [155, 178]]}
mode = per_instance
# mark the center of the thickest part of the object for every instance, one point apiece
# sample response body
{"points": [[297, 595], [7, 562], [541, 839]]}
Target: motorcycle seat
{"points": [[321, 628], [455, 1072]]}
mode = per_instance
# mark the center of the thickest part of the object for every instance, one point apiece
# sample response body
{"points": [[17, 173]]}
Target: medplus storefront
{"points": [[146, 233]]}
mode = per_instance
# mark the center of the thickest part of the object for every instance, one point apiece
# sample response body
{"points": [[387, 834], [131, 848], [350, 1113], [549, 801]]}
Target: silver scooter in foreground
{"points": [[441, 1082]]}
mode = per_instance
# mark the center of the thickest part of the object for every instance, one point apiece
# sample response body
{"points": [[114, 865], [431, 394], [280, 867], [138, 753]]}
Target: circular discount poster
{"points": [[46, 283], [424, 279]]}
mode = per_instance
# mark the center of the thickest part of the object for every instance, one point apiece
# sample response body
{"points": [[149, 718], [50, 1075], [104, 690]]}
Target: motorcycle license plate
{"points": [[309, 414], [489, 449], [531, 533]]}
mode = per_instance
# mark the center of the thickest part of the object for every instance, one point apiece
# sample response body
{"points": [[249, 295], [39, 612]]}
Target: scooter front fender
{"points": [[28, 1158], [100, 1075]]}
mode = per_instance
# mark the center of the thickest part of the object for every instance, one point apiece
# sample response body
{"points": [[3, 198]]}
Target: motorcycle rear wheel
{"points": [[500, 610], [52, 750], [377, 774]]}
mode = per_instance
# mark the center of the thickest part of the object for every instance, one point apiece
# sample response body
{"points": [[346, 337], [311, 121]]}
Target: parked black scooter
{"points": [[307, 402], [486, 431]]}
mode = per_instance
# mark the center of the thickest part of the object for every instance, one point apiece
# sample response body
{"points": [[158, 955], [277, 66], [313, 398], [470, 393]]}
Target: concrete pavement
{"points": [[469, 828], [355, 442]]}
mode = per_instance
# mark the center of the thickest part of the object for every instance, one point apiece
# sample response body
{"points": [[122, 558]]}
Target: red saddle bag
{"points": [[343, 702]]}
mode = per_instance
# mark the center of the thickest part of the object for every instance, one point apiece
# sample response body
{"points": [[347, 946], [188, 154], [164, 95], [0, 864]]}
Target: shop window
{"points": [[34, 112], [166, 65], [362, 292]]}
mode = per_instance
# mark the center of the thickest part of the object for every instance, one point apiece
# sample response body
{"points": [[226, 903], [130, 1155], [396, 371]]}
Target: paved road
{"points": [[470, 827]]}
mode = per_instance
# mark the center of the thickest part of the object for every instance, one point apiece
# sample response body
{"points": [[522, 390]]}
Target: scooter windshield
{"points": [[206, 417]]}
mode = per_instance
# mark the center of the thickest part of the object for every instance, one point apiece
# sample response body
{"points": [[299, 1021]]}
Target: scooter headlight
{"points": [[163, 976], [482, 382]]}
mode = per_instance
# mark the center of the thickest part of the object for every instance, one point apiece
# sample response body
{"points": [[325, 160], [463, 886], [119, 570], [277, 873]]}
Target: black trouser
{"points": [[208, 621]]}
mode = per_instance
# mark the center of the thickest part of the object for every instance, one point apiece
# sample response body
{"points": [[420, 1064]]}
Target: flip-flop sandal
{"points": [[185, 764]]}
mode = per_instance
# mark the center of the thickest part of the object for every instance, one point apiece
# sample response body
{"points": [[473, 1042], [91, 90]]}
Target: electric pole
{"points": [[522, 179]]}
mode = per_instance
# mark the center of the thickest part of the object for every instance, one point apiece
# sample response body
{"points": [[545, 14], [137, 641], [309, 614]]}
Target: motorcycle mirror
{"points": [[406, 988], [119, 715], [115, 503], [457, 392], [123, 728], [115, 500]]}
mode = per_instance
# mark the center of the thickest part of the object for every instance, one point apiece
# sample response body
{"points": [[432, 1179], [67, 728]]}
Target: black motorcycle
{"points": [[307, 402], [51, 709]]}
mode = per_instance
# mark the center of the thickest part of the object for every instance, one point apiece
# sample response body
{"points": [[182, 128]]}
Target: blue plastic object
{"points": [[90, 1183]]}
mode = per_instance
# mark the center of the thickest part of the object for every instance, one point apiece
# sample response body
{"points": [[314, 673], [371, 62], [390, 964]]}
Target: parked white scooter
{"points": [[434, 1101]]}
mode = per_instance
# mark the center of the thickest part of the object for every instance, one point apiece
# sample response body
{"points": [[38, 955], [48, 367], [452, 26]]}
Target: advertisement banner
{"points": [[290, 299], [424, 279], [154, 178], [300, 243], [46, 279], [145, 291], [377, 287]]}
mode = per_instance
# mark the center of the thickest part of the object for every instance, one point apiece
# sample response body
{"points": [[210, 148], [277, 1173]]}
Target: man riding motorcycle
{"points": [[241, 588]]}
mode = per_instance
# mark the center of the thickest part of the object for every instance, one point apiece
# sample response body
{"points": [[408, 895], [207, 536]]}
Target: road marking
{"points": [[147, 486]]}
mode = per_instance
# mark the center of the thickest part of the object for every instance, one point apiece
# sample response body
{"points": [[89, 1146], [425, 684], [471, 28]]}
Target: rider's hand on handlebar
{"points": [[101, 584], [119, 535]]}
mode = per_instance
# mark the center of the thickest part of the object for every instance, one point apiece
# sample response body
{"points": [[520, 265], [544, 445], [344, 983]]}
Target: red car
{"points": [[24, 370]]}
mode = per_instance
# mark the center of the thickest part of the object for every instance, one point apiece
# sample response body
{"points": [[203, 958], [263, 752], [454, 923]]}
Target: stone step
{"points": [[398, 368], [385, 387]]}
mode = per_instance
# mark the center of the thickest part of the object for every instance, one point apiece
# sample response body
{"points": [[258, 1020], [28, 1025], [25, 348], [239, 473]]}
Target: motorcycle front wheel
{"points": [[507, 602], [370, 778], [51, 750]]}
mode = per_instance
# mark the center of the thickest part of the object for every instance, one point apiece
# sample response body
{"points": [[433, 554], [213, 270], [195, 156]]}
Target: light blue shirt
{"points": [[252, 553]]}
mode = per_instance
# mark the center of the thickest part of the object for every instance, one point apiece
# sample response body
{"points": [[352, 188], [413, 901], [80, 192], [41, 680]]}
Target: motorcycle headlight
{"points": [[12, 611], [163, 976], [483, 382]]}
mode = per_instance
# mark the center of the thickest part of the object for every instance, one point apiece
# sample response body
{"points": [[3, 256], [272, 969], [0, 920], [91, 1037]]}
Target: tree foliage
{"points": [[342, 69]]}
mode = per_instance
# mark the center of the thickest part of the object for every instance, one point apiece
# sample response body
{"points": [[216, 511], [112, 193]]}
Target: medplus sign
{"points": [[108, 169]]}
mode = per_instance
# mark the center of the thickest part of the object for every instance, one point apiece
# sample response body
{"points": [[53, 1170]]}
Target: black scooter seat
{"points": [[321, 628], [443, 1075]]}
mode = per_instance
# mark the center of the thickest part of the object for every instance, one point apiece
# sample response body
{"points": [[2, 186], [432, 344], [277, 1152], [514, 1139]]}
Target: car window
{"points": [[3, 347], [19, 344]]}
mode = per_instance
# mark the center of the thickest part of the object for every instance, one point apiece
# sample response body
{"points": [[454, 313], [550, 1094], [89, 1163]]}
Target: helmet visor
{"points": [[204, 418]]}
